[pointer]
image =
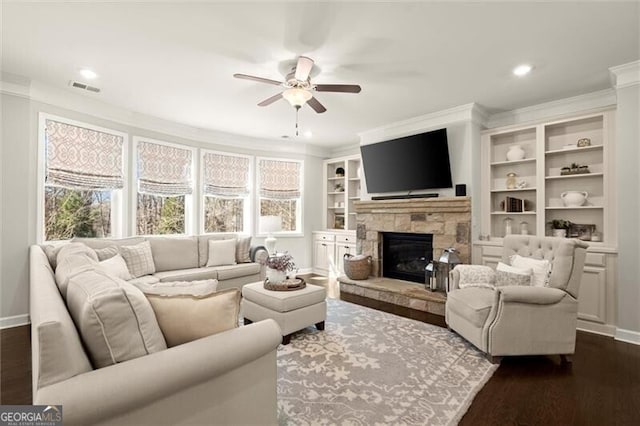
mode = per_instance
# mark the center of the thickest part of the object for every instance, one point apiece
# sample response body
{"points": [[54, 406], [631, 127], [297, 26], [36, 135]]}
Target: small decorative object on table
{"points": [[289, 284], [357, 267], [512, 182], [277, 267], [515, 153], [584, 142]]}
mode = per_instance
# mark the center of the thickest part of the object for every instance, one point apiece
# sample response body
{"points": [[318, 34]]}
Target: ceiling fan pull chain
{"points": [[297, 109]]}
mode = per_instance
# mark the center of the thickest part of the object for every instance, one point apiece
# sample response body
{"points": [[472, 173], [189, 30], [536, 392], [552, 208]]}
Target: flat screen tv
{"points": [[407, 164]]}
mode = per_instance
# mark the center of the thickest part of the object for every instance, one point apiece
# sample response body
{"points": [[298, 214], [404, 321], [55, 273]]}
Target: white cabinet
{"points": [[342, 186], [329, 249]]}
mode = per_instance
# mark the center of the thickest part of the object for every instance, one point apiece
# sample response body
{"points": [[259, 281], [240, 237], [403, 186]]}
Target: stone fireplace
{"points": [[448, 220]]}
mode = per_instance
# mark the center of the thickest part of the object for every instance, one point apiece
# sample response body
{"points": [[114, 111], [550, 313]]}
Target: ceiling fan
{"points": [[299, 87]]}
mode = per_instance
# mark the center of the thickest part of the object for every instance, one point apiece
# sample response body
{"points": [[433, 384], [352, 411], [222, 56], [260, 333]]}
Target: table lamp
{"points": [[269, 225]]}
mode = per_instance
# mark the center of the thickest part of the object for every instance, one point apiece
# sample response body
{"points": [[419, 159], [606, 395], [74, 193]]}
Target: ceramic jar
{"points": [[276, 277], [508, 226], [574, 198], [515, 153]]}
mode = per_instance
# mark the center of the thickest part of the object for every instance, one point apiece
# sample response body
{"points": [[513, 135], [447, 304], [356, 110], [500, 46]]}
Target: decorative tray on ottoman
{"points": [[287, 285]]}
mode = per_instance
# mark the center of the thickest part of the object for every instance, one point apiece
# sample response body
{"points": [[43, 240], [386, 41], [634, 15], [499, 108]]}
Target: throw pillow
{"points": [[476, 276], [243, 246], [116, 267], [72, 259], [52, 253], [114, 318], [106, 253], [186, 317], [509, 275], [541, 269], [139, 259], [222, 252]]}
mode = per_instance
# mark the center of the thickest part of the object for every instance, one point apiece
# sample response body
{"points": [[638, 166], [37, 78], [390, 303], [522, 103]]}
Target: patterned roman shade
{"points": [[279, 179], [226, 175], [80, 158], [164, 170]]}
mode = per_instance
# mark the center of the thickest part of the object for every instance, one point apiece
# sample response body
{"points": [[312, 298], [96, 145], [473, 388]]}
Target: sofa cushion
{"points": [[100, 243], [473, 303], [187, 317], [178, 288], [203, 246], [284, 301], [243, 249], [146, 279], [73, 259], [222, 252], [234, 271], [51, 250], [191, 274], [171, 253], [114, 318], [139, 259], [116, 267]]}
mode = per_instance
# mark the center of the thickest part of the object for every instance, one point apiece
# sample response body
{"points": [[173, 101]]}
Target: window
{"points": [[226, 192], [84, 176], [280, 196], [165, 185]]}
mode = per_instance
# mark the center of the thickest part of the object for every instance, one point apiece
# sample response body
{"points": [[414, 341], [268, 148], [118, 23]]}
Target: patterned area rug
{"points": [[369, 368]]}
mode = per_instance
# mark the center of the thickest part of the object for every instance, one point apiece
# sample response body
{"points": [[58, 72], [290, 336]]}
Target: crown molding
{"points": [[625, 75], [469, 112], [63, 98], [587, 103]]}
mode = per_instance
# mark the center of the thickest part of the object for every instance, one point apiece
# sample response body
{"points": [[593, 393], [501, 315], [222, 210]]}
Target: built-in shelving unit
{"points": [[342, 186]]}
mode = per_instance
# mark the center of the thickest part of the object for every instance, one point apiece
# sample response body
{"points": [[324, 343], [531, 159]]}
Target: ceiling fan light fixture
{"points": [[296, 97]]}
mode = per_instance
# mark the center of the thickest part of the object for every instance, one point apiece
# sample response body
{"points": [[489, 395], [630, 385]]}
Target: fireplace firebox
{"points": [[405, 255]]}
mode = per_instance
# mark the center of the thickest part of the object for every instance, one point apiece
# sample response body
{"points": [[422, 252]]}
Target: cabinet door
{"points": [[591, 299], [341, 250], [322, 255]]}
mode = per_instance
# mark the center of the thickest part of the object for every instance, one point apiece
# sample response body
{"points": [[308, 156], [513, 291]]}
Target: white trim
{"points": [[302, 271], [563, 108], [595, 328], [626, 75], [470, 112], [299, 213], [247, 226], [118, 216], [628, 336], [14, 321]]}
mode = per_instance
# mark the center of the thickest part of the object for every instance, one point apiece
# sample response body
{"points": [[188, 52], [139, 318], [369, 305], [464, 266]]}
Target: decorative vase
{"points": [[508, 222], [524, 228], [574, 198], [276, 277], [562, 233], [515, 153], [511, 180]]}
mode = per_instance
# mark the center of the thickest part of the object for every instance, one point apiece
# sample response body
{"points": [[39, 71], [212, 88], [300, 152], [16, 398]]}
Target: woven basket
{"points": [[357, 269]]}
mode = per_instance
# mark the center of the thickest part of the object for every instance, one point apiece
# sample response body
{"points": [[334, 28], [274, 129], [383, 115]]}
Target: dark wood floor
{"points": [[601, 387]]}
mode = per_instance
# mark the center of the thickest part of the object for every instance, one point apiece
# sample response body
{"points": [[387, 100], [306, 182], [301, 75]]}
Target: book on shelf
{"points": [[513, 205]]}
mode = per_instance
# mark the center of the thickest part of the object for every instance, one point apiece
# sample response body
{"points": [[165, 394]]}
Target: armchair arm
{"points": [[256, 253], [454, 280], [533, 295], [159, 388]]}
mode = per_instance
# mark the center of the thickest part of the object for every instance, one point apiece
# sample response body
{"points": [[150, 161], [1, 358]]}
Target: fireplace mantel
{"points": [[448, 219]]}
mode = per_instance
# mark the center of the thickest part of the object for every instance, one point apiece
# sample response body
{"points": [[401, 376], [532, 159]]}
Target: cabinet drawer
{"points": [[595, 259], [493, 251], [321, 236], [351, 239]]}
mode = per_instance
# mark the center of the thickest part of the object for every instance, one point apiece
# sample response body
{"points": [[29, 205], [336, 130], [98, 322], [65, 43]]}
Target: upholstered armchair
{"points": [[503, 320]]}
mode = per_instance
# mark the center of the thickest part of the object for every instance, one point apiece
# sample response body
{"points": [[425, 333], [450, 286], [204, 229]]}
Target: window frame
{"points": [[248, 222], [118, 196], [299, 211], [189, 217]]}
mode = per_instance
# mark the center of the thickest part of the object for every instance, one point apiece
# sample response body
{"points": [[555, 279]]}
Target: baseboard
{"points": [[628, 336], [14, 321], [603, 329], [305, 270]]}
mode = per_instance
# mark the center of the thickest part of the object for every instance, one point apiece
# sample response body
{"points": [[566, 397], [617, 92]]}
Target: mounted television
{"points": [[407, 164]]}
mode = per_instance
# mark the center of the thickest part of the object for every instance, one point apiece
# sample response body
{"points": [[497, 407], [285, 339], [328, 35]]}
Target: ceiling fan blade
{"points": [[316, 105], [271, 100], [342, 88], [303, 68], [258, 79]]}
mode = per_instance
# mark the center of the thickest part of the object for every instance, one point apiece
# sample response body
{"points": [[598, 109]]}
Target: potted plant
{"points": [[277, 267], [560, 227]]}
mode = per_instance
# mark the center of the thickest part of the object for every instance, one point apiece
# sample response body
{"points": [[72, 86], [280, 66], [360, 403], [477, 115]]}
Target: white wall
{"points": [[19, 189]]}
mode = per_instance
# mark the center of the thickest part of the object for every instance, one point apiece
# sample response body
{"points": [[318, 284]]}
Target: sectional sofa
{"points": [[225, 378]]}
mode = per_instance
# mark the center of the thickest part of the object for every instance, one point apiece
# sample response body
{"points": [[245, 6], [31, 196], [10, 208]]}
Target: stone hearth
{"points": [[448, 219]]}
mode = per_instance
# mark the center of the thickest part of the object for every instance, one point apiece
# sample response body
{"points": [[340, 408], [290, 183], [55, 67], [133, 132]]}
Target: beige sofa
{"points": [[226, 378]]}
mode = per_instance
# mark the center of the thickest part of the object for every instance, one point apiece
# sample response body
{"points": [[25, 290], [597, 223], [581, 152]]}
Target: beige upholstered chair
{"points": [[523, 320]]}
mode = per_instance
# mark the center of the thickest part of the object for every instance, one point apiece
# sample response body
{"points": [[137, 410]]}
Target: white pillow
{"points": [[476, 276], [222, 252], [116, 267], [541, 269], [510, 275]]}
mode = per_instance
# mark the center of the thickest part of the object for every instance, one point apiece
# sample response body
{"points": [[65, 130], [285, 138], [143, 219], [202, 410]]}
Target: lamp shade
{"points": [[296, 97], [270, 224]]}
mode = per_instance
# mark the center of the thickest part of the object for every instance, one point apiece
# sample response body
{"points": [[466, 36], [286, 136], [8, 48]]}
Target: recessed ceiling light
{"points": [[522, 70], [308, 134], [88, 74]]}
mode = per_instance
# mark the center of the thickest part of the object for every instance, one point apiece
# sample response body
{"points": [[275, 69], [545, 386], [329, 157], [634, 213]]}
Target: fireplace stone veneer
{"points": [[447, 219]]}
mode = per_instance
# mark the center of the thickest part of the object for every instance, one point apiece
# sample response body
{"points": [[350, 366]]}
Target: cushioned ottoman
{"points": [[292, 310]]}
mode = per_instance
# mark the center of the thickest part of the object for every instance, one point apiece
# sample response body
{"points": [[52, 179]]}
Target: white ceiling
{"points": [[176, 61]]}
